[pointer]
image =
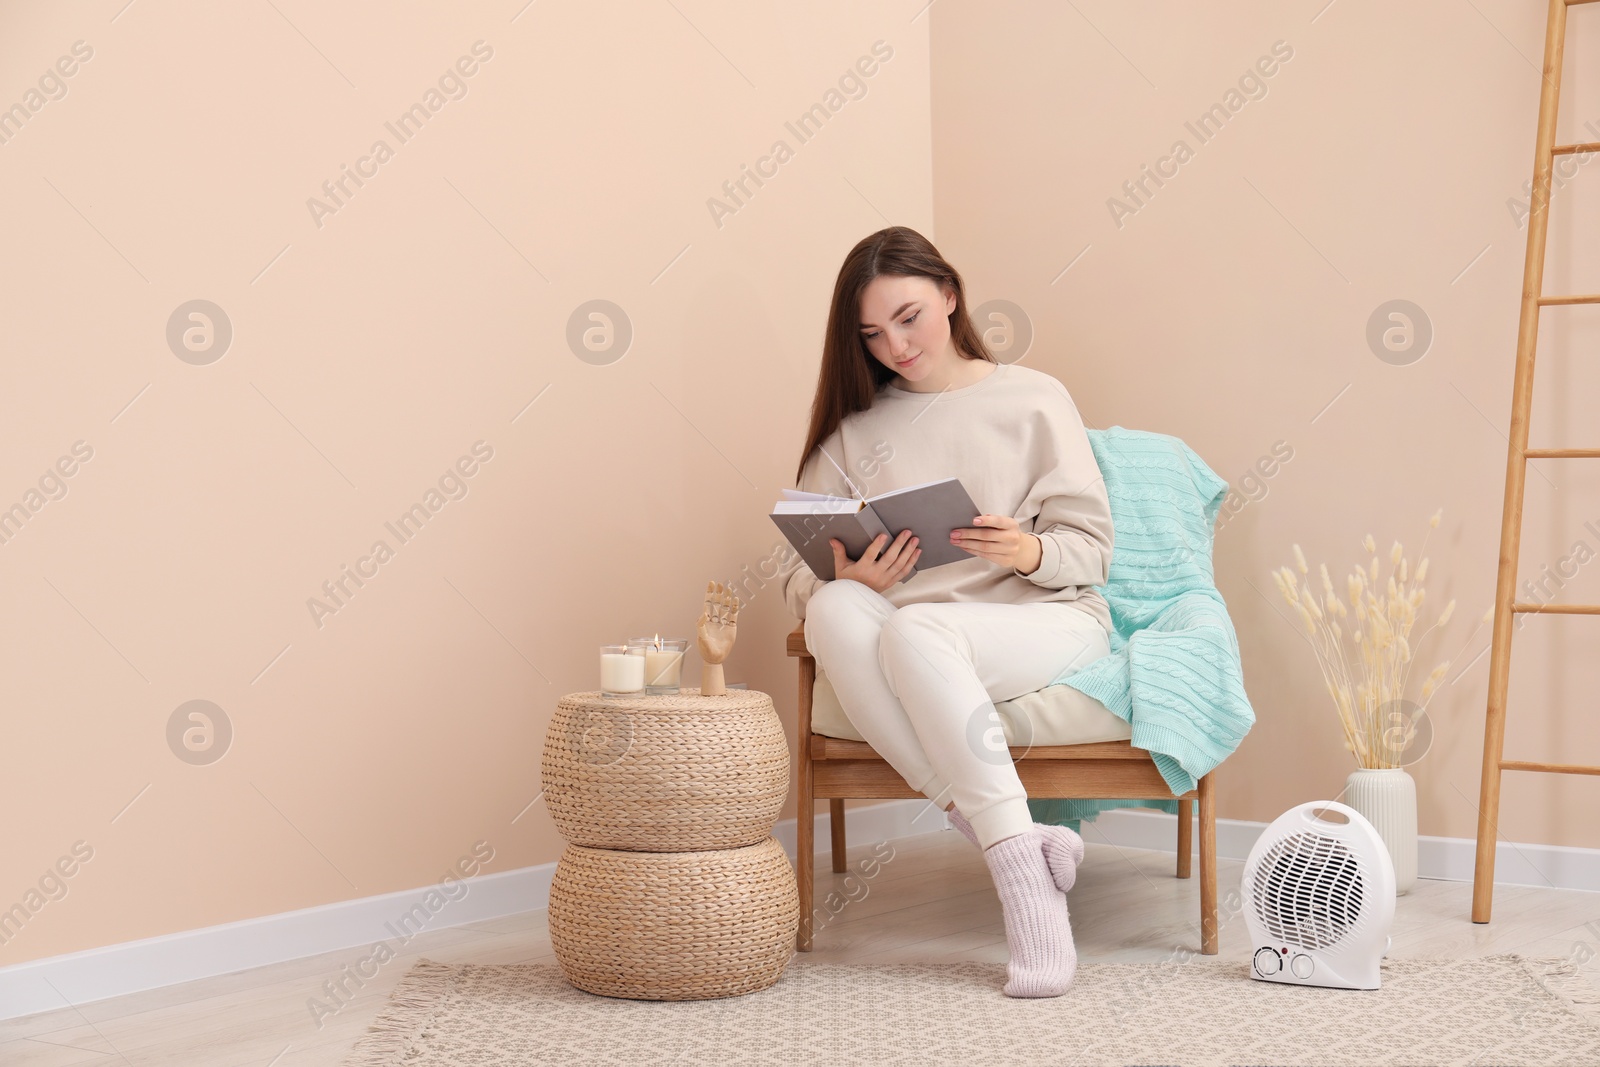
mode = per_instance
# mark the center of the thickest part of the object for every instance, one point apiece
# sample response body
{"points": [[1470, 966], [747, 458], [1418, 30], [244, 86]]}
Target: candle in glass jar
{"points": [[663, 669], [621, 671], [663, 658]]}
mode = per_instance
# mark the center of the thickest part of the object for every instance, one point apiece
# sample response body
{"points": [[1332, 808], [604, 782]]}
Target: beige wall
{"points": [[1231, 310], [419, 318], [374, 346]]}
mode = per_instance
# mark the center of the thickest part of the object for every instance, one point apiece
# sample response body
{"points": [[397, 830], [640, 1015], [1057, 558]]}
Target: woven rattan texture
{"points": [[674, 925], [665, 773]]}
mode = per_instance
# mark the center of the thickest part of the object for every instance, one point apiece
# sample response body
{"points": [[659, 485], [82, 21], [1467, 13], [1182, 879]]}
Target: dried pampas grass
{"points": [[1369, 693]]}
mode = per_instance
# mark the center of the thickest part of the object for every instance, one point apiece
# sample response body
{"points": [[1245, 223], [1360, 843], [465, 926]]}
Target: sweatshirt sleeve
{"points": [[1068, 504], [795, 576]]}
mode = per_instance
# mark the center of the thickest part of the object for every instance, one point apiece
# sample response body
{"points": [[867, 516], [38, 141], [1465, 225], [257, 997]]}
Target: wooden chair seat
{"points": [[839, 769]]}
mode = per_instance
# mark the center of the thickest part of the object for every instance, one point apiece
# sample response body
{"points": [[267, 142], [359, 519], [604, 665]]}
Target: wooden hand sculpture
{"points": [[715, 635]]}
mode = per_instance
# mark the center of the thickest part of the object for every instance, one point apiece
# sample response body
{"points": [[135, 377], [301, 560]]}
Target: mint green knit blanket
{"points": [[1173, 672]]}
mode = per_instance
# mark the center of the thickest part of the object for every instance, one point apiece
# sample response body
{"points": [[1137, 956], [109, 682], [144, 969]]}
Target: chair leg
{"points": [[804, 867], [805, 809], [836, 825], [1185, 835], [1208, 866]]}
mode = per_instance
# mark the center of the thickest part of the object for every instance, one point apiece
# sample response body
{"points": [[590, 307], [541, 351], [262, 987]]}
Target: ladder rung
{"points": [[1591, 298], [1574, 149], [1561, 453], [1530, 608], [1557, 768]]}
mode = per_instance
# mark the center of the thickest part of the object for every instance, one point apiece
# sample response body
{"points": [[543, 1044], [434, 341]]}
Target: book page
{"points": [[835, 505], [796, 494]]}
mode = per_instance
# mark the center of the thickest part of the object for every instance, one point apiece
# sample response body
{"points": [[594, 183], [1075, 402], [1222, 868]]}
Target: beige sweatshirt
{"points": [[1017, 443]]}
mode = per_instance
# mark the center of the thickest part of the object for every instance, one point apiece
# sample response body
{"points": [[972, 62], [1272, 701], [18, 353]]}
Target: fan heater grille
{"points": [[1308, 891]]}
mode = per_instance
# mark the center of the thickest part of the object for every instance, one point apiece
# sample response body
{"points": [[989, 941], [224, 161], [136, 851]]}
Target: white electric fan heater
{"points": [[1319, 898]]}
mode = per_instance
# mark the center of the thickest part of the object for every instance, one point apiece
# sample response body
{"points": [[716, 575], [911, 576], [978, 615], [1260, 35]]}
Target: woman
{"points": [[908, 393]]}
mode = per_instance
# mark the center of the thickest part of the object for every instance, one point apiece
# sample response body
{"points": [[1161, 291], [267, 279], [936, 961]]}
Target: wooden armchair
{"points": [[837, 769]]}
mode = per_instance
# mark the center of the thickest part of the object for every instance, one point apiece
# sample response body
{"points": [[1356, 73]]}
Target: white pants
{"points": [[919, 682]]}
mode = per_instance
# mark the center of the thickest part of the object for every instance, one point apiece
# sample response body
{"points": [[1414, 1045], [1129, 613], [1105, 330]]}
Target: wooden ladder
{"points": [[1517, 455]]}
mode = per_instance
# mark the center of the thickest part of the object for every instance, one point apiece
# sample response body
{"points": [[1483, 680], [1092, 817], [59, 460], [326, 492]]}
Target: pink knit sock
{"points": [[1063, 849], [1038, 932]]}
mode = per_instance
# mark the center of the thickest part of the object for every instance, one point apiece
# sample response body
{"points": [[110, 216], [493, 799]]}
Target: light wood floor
{"points": [[932, 900]]}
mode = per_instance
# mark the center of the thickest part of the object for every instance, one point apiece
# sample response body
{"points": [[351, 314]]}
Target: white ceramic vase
{"points": [[1387, 798]]}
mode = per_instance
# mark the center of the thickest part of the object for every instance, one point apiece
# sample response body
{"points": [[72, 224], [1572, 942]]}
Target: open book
{"points": [[930, 511]]}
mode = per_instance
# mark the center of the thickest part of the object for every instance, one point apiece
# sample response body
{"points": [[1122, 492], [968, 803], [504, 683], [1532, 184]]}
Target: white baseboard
{"points": [[1450, 859], [136, 966], [151, 963]]}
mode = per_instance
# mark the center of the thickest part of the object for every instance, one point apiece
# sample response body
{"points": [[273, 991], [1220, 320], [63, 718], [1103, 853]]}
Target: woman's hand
{"points": [[872, 570], [999, 539]]}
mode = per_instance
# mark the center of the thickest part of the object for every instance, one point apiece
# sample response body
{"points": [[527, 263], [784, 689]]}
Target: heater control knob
{"points": [[1267, 962], [1301, 965]]}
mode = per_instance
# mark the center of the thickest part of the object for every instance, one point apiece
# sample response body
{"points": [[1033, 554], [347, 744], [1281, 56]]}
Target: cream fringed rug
{"points": [[1495, 1010]]}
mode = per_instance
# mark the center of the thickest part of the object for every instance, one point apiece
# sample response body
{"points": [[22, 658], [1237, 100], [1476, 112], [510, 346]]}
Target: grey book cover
{"points": [[930, 511]]}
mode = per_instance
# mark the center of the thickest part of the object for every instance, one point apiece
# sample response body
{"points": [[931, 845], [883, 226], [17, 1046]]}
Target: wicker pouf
{"points": [[674, 925], [672, 773], [672, 886]]}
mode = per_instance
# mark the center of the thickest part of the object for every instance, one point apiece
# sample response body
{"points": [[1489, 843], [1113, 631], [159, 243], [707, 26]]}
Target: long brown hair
{"points": [[850, 376]]}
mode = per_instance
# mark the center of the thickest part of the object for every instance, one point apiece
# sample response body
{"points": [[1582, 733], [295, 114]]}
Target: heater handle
{"points": [[1308, 810]]}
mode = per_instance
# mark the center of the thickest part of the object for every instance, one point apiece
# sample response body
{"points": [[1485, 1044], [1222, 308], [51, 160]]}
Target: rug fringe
{"points": [[409, 1011], [1561, 977]]}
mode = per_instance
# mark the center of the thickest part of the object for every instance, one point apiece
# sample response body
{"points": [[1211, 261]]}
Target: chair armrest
{"points": [[796, 643]]}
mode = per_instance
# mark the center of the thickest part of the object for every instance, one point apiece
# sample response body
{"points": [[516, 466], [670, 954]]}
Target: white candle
{"points": [[663, 668], [621, 673]]}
